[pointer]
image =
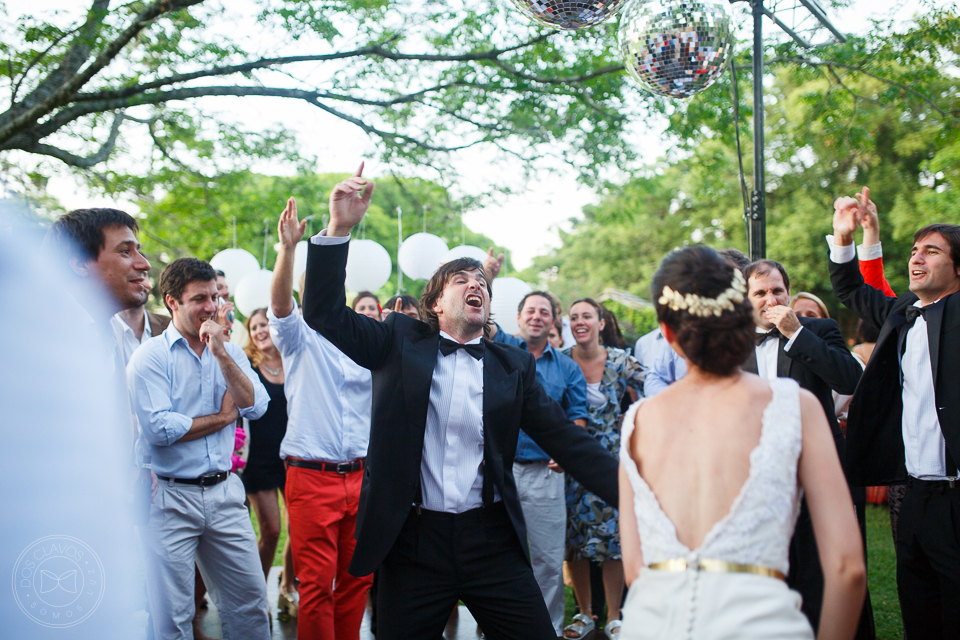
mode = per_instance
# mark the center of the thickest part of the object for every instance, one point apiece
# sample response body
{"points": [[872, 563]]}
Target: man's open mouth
{"points": [[474, 300]]}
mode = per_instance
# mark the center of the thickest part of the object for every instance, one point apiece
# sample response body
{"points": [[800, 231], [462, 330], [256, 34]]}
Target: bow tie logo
{"points": [[50, 581]]}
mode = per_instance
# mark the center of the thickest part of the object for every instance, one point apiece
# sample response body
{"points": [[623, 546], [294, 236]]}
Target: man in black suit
{"points": [[439, 512], [904, 420], [812, 352]]}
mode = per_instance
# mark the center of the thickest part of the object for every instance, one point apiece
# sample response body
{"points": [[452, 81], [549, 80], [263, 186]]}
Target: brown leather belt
{"points": [[336, 467]]}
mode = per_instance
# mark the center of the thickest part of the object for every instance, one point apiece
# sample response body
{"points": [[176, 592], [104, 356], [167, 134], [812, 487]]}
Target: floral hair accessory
{"points": [[704, 307]]}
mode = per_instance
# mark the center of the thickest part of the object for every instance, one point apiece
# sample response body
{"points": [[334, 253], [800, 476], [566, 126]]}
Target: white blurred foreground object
{"points": [[253, 292], [420, 255], [235, 264], [368, 266], [299, 262], [67, 545], [507, 294]]}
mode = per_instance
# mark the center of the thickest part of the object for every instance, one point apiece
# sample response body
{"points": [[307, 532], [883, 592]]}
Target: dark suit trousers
{"points": [[475, 557], [928, 561]]}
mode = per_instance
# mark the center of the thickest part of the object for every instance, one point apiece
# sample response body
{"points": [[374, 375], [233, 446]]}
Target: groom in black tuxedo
{"points": [[439, 512], [904, 420], [812, 352]]}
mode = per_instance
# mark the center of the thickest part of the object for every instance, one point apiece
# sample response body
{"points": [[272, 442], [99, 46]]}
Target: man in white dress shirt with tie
{"points": [[189, 387], [328, 427], [904, 420]]}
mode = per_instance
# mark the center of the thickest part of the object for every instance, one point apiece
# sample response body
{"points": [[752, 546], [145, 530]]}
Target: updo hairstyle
{"points": [[717, 344]]}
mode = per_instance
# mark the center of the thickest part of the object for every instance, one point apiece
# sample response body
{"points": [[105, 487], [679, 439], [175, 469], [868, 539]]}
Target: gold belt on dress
{"points": [[718, 566]]}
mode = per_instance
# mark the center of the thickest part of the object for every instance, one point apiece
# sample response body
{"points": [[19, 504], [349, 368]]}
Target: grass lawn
{"points": [[881, 569]]}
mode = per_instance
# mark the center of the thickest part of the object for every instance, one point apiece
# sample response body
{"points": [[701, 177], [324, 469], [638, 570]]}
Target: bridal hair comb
{"points": [[704, 307]]}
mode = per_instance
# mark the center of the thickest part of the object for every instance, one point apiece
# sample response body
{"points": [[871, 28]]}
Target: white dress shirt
{"points": [[170, 387], [768, 352], [328, 394], [126, 338], [923, 444], [451, 469]]}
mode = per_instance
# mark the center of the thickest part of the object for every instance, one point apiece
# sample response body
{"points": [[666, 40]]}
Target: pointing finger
{"points": [[360, 169]]}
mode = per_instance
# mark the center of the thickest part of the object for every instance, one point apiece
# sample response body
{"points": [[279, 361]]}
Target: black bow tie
{"points": [[448, 346], [773, 333], [915, 312]]}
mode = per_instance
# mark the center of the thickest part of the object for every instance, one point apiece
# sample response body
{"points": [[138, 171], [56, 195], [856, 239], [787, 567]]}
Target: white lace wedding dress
{"points": [[705, 605]]}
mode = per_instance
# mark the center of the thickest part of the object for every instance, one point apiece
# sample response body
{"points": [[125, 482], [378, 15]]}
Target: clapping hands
{"points": [[851, 213]]}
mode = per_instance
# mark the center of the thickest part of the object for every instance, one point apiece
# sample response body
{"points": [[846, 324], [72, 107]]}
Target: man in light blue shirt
{"points": [[189, 386], [540, 483]]}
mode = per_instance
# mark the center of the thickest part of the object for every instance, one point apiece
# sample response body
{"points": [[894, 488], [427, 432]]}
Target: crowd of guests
{"points": [[408, 467]]}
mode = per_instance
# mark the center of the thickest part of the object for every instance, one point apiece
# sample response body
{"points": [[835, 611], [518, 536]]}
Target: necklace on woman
{"points": [[273, 372]]}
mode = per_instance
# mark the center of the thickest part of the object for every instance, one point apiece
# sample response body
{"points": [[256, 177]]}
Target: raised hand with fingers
{"points": [[348, 203], [398, 305], [868, 218], [492, 265], [289, 228], [846, 219]]}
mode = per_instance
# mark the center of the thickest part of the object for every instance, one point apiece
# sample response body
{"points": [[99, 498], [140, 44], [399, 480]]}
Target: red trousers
{"points": [[323, 515]]}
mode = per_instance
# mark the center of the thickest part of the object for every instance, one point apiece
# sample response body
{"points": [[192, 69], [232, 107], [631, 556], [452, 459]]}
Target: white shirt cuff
{"points": [[841, 254], [323, 239], [872, 252], [790, 342]]}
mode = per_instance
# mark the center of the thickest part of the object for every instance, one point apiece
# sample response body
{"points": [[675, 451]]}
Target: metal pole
{"points": [[399, 244], [756, 230]]}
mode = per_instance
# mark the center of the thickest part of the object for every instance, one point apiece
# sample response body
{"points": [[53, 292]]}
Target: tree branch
{"points": [[68, 89], [80, 161], [560, 80]]}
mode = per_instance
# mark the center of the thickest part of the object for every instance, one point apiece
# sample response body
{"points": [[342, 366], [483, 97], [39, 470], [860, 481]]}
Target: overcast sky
{"points": [[525, 222]]}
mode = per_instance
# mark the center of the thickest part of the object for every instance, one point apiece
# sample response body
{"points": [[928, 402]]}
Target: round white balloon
{"points": [[507, 294], [299, 263], [235, 264], [368, 266], [420, 255], [464, 251], [253, 292]]}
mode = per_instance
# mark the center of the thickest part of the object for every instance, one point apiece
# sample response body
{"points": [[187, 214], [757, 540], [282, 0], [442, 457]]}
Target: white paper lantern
{"points": [[464, 251], [299, 264], [368, 266], [235, 264], [507, 294], [420, 255], [253, 292]]}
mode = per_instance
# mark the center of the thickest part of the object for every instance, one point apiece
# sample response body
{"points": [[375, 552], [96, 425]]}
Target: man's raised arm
{"points": [[290, 230]]}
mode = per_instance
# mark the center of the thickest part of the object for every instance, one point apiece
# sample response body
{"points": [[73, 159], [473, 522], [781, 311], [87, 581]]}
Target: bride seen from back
{"points": [[711, 476]]}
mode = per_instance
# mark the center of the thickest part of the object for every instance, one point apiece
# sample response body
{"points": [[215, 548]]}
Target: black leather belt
{"points": [[942, 485], [336, 467], [206, 480]]}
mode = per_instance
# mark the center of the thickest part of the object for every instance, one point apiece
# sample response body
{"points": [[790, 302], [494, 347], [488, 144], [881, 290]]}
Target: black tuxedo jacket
{"points": [[821, 363], [875, 454], [401, 353]]}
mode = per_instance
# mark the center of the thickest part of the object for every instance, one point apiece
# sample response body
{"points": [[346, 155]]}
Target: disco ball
{"points": [[568, 14], [675, 48]]}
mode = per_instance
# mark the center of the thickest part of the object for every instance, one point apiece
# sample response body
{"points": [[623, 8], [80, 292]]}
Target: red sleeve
{"points": [[872, 271]]}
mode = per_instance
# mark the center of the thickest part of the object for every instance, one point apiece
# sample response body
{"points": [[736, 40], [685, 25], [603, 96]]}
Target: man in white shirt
{"points": [[812, 352], [439, 511], [189, 387], [328, 427], [904, 420]]}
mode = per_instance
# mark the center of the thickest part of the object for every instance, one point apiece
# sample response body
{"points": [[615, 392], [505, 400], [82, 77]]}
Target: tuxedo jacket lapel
{"points": [[934, 318], [499, 398], [783, 360], [750, 366], [418, 361]]}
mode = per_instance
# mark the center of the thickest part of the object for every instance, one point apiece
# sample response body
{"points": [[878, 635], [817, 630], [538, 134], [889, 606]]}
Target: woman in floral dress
{"points": [[592, 532]]}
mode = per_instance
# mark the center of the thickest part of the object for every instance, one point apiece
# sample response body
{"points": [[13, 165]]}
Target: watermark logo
{"points": [[58, 581]]}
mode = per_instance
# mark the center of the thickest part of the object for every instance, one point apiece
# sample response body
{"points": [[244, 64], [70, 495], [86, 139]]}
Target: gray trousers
{"points": [[542, 497], [209, 526]]}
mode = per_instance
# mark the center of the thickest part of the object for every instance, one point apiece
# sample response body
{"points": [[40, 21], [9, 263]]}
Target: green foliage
{"points": [[880, 111], [633, 322], [195, 217]]}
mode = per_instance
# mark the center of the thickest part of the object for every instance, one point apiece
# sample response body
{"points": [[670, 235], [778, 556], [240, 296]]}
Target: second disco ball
{"points": [[675, 48], [568, 14]]}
